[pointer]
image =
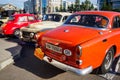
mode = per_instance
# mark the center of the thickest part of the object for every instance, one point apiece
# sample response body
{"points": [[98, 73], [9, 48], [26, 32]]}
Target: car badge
{"points": [[66, 30]]}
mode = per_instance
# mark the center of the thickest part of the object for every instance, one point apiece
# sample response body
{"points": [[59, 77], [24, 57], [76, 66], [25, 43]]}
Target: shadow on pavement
{"points": [[30, 63], [15, 51]]}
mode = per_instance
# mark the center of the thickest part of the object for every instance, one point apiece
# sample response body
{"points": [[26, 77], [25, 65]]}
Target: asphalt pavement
{"points": [[9, 50], [28, 67]]}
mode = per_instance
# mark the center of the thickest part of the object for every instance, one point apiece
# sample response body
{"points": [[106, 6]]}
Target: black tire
{"points": [[108, 60], [16, 33]]}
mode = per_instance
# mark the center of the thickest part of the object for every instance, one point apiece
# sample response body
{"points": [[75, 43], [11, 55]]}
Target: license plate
{"points": [[38, 53], [54, 48]]}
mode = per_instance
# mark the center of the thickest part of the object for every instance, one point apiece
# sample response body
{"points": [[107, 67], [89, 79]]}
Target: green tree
{"points": [[87, 5], [71, 8], [92, 7], [77, 5], [56, 8], [61, 8]]}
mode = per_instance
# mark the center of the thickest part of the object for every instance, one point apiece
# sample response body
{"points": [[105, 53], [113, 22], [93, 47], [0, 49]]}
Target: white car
{"points": [[49, 21]]}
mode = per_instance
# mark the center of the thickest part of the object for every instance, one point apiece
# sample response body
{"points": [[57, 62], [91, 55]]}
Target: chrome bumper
{"points": [[69, 68]]}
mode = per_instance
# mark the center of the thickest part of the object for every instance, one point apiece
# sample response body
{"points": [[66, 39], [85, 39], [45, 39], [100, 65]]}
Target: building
{"points": [[42, 6], [28, 6], [35, 6], [53, 5], [115, 4], [7, 9]]}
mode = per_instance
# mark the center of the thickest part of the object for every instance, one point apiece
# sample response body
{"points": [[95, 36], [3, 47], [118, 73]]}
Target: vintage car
{"points": [[49, 21], [3, 20], [17, 21], [87, 41]]}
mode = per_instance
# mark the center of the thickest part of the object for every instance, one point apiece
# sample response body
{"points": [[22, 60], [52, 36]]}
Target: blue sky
{"points": [[19, 3]]}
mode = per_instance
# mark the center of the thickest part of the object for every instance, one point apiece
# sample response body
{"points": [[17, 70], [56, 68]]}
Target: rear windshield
{"points": [[11, 18], [52, 17], [95, 21]]}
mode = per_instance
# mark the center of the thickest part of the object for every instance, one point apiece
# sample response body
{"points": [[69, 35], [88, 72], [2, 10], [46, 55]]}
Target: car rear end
{"points": [[63, 55]]}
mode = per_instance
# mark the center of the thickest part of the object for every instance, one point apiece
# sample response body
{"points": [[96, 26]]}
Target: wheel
{"points": [[106, 65], [16, 33]]}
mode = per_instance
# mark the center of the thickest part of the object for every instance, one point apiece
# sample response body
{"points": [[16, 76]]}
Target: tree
{"points": [[71, 8], [61, 8], [56, 8], [77, 5], [87, 5]]}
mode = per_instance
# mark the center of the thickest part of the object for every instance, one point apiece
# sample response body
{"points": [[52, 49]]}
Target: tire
{"points": [[108, 60], [16, 33]]}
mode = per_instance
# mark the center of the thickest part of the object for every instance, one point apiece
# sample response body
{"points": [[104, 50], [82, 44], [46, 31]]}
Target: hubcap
{"points": [[17, 32], [108, 60]]}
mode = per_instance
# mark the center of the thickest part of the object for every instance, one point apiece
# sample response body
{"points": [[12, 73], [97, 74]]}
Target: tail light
{"points": [[78, 54], [78, 51]]}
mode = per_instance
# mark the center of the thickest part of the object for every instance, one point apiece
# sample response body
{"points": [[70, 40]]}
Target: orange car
{"points": [[87, 41]]}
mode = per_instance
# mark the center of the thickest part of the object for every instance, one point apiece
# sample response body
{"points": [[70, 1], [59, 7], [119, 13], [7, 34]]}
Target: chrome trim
{"points": [[69, 68]]}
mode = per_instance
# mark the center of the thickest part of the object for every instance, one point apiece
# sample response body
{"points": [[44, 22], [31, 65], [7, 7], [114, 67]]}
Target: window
{"points": [[96, 21], [64, 18], [22, 19], [52, 17], [31, 18], [116, 23]]}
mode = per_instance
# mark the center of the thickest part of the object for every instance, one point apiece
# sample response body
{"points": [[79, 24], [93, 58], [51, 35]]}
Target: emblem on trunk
{"points": [[66, 30]]}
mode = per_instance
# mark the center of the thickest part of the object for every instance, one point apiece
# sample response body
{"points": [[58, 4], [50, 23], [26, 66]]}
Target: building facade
{"points": [[35, 6], [8, 9], [116, 4], [53, 5]]}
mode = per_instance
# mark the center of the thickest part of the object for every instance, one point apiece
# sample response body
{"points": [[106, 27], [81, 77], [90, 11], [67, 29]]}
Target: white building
{"points": [[53, 5]]}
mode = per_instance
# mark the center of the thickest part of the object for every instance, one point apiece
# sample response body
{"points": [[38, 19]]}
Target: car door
{"points": [[116, 32], [23, 21]]}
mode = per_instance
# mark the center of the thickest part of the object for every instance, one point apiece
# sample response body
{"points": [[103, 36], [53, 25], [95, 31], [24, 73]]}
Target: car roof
{"points": [[61, 13], [108, 14], [23, 14]]}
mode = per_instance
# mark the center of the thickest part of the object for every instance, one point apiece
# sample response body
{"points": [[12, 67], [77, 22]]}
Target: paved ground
{"points": [[28, 67], [8, 51]]}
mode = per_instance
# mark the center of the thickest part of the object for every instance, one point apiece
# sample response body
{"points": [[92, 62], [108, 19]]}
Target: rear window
{"points": [[11, 18], [52, 17], [95, 21]]}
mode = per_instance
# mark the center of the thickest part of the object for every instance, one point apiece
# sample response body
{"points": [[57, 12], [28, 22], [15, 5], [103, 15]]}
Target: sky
{"points": [[19, 3]]}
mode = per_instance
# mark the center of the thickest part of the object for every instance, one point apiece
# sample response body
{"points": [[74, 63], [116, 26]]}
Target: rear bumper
{"points": [[69, 68]]}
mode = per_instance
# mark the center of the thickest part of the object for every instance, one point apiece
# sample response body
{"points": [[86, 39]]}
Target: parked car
{"points": [[49, 21], [17, 21], [87, 41], [3, 20]]}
